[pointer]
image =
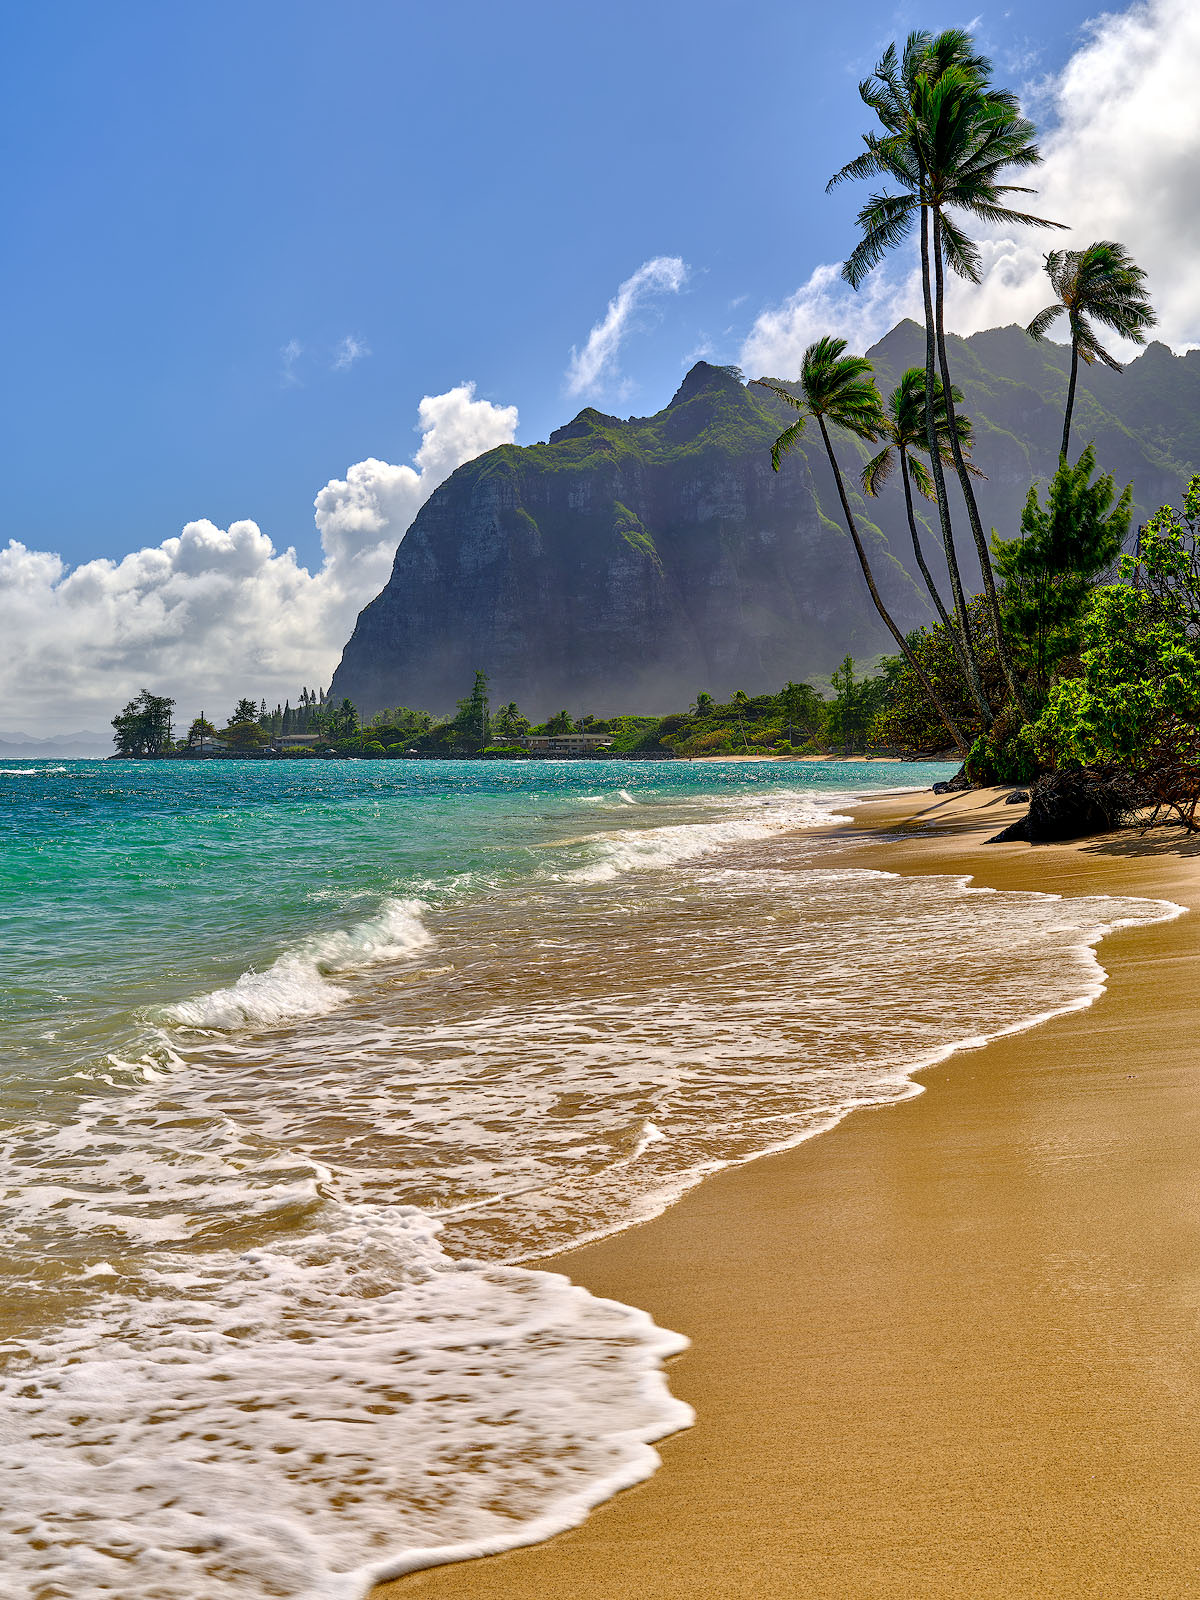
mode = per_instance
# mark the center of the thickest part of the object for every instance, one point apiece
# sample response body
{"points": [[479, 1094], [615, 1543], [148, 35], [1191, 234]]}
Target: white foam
{"points": [[277, 1376], [300, 982], [647, 849], [344, 1380]]}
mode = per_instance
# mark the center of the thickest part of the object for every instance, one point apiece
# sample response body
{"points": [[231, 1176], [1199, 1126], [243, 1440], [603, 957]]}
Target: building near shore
{"points": [[566, 744]]}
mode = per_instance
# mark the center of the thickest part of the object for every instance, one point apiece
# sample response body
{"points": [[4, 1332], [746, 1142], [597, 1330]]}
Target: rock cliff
{"points": [[626, 564]]}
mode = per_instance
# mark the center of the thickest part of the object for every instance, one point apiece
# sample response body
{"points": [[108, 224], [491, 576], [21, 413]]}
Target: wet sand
{"points": [[952, 1347]]}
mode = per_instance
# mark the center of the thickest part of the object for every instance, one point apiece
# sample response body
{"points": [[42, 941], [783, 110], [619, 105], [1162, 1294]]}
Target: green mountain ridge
{"points": [[624, 564]]}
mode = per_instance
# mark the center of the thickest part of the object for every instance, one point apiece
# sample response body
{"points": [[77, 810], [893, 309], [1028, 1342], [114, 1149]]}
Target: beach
{"points": [[950, 1347]]}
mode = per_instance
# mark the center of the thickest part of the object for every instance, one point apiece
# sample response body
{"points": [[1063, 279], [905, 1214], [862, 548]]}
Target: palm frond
{"points": [[919, 473], [878, 470], [1045, 319], [785, 441]]}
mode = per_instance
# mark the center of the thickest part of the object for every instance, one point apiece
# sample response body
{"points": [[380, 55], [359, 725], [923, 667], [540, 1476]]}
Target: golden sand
{"points": [[951, 1348]]}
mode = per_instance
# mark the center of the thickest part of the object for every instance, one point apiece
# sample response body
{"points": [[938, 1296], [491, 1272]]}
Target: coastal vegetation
{"points": [[1074, 659]]}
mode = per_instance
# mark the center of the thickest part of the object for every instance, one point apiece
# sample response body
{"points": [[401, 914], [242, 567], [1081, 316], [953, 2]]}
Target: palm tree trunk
{"points": [[916, 544], [905, 649], [967, 654], [964, 478], [1070, 395]]}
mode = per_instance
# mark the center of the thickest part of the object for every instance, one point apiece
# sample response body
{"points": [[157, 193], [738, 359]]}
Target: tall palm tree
{"points": [[840, 389], [1101, 283], [904, 432], [949, 140]]}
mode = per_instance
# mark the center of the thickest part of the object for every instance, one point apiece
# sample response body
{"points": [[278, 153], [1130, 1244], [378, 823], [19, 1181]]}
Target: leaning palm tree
{"points": [[949, 140], [839, 389], [1101, 284], [904, 432]]}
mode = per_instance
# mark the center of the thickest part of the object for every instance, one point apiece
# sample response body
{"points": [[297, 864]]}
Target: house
{"points": [[566, 744]]}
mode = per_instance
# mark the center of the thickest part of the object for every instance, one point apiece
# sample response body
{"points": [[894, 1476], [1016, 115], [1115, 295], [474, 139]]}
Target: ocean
{"points": [[304, 1067]]}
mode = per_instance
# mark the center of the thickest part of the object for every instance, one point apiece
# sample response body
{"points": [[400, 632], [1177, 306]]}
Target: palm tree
{"points": [[949, 140], [904, 432], [840, 389], [1101, 283]]}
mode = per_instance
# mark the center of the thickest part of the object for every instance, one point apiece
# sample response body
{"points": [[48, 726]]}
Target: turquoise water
{"points": [[130, 885], [304, 1066]]}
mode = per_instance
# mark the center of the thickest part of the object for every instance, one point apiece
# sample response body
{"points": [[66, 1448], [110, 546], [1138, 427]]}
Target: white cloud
{"points": [[349, 351], [780, 335], [216, 613], [1120, 163], [596, 363], [289, 355]]}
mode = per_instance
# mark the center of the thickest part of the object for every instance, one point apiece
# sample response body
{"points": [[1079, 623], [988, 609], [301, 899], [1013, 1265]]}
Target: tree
{"points": [[950, 138], [472, 720], [244, 711], [1099, 284], [803, 710], [905, 432], [200, 730], [341, 722], [508, 723], [1136, 697], [905, 717], [245, 736], [1048, 572], [840, 389], [560, 722], [143, 728]]}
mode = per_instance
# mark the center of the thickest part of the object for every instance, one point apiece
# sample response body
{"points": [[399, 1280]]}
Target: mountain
{"points": [[625, 564], [23, 746]]}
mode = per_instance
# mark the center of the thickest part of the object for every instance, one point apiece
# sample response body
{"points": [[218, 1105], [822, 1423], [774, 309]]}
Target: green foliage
{"points": [[143, 728], [906, 720], [508, 724], [244, 736], [560, 722], [629, 526], [472, 720], [398, 723], [244, 712], [1136, 697], [1004, 754], [1050, 569], [855, 707]]}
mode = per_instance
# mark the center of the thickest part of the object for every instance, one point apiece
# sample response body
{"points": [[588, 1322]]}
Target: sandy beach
{"points": [[952, 1347]]}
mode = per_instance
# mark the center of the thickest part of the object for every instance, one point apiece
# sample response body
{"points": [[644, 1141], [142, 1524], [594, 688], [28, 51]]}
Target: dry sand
{"points": [[951, 1348]]}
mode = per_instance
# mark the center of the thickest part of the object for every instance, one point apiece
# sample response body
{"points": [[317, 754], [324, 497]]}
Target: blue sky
{"points": [[257, 255], [457, 189]]}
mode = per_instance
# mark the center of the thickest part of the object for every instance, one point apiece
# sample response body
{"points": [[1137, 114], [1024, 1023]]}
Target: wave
{"points": [[639, 850], [28, 772], [262, 1368], [301, 982]]}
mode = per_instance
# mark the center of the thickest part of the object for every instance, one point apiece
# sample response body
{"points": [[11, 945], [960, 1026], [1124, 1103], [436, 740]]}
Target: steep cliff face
{"points": [[624, 565]]}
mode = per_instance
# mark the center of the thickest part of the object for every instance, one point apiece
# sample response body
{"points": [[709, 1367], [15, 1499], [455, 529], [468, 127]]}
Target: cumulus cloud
{"points": [[596, 363], [348, 352], [1120, 163], [824, 304], [216, 613]]}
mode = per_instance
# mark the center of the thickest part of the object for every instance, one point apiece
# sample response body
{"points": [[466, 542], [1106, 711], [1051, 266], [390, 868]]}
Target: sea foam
{"points": [[303, 982]]}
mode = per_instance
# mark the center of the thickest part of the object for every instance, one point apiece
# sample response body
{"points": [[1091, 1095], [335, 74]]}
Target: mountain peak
{"points": [[704, 378]]}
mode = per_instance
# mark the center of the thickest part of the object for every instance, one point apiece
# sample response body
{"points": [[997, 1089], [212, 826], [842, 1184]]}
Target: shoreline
{"points": [[827, 1458]]}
